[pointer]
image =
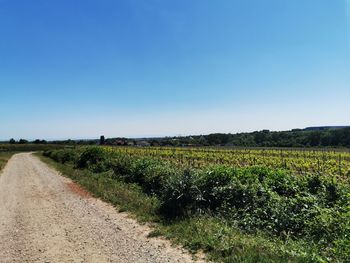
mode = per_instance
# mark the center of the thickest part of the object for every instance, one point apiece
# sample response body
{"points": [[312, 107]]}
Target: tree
{"points": [[12, 141], [102, 140], [314, 138], [37, 141], [22, 141]]}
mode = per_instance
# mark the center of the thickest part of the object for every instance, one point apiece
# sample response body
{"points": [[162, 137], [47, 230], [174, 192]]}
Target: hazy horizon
{"points": [[134, 68], [97, 137]]}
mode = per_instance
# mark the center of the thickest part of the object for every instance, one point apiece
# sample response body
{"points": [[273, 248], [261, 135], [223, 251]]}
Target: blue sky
{"points": [[82, 68]]}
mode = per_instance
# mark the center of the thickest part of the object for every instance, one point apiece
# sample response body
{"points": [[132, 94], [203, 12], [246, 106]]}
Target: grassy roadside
{"points": [[4, 157], [212, 235], [127, 197]]}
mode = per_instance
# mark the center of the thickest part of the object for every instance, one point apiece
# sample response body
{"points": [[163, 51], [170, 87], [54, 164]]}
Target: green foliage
{"points": [[94, 158], [322, 137], [123, 167], [154, 176], [212, 183], [63, 156], [147, 172], [22, 141], [223, 243], [180, 194]]}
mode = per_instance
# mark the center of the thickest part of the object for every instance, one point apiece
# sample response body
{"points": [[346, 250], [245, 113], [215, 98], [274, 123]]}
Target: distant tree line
{"points": [[322, 137], [58, 142], [23, 141], [264, 138]]}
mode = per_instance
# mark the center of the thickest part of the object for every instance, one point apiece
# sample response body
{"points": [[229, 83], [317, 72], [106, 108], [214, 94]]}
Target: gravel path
{"points": [[44, 217]]}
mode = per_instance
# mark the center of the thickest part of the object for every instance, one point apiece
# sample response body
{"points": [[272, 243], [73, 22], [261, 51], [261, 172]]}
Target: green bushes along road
{"points": [[234, 214]]}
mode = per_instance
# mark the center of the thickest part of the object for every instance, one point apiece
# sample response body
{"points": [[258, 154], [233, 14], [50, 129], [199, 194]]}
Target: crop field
{"points": [[336, 163]]}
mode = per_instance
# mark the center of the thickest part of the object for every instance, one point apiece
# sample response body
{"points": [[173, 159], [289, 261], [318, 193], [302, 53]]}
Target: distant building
{"points": [[131, 143], [143, 143]]}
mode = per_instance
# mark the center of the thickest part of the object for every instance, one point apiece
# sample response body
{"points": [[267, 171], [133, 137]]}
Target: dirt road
{"points": [[44, 217]]}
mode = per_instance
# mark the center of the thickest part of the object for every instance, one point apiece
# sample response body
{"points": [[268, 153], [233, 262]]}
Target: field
{"points": [[331, 162], [235, 205]]}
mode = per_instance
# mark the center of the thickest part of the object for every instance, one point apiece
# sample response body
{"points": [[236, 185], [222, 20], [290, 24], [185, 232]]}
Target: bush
{"points": [[212, 183], [149, 173], [181, 195], [47, 153], [94, 158], [155, 177], [122, 167], [63, 156]]}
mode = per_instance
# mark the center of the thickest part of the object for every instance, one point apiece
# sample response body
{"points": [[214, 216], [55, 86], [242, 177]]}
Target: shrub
{"points": [[149, 173], [94, 158], [63, 156], [47, 153], [181, 195], [212, 183], [155, 176], [139, 168], [122, 167]]}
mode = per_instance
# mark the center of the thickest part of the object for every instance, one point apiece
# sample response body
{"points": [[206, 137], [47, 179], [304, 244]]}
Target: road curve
{"points": [[44, 217]]}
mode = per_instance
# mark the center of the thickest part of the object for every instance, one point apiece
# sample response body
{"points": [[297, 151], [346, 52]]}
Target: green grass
{"points": [[220, 241], [223, 243], [4, 157]]}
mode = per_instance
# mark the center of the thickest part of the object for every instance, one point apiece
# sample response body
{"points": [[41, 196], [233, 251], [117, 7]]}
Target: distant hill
{"points": [[320, 128]]}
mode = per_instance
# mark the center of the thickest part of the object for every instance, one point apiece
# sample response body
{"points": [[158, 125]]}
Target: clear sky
{"points": [[82, 68]]}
